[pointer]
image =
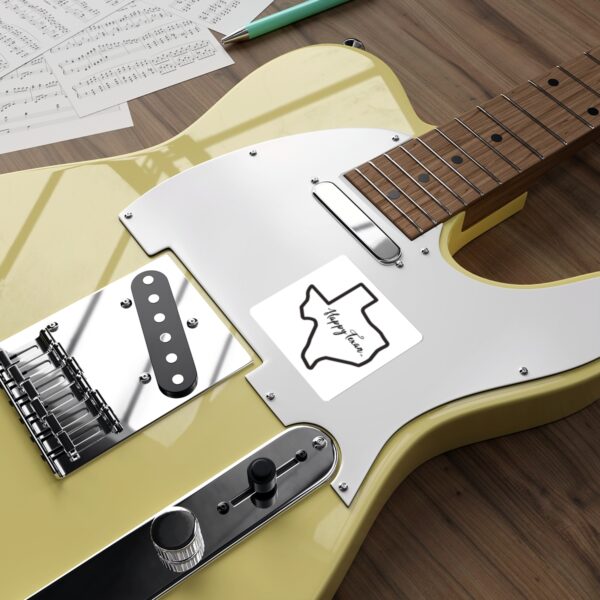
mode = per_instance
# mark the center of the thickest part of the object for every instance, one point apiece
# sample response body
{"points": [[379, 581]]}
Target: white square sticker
{"points": [[335, 327]]}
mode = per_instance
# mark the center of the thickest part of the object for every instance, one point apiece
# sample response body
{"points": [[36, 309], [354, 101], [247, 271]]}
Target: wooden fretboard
{"points": [[489, 155]]}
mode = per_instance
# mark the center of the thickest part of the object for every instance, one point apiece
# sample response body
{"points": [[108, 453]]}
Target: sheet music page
{"points": [[34, 110], [224, 16], [137, 50], [30, 27]]}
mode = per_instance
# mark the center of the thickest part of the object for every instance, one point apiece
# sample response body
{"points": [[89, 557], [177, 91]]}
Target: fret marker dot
{"points": [[456, 159], [423, 178], [393, 194], [553, 82], [592, 110], [496, 137]]}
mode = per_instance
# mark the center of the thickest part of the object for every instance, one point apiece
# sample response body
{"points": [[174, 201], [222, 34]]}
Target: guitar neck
{"points": [[489, 155]]}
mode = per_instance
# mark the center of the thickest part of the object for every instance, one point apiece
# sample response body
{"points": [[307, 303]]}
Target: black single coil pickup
{"points": [[168, 348]]}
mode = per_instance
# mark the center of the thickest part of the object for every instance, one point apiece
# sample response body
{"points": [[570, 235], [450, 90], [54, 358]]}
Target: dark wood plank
{"points": [[513, 517]]}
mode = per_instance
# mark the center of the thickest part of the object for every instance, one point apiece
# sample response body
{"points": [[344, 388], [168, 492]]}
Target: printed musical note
{"points": [[30, 27], [34, 110], [138, 49], [224, 16]]}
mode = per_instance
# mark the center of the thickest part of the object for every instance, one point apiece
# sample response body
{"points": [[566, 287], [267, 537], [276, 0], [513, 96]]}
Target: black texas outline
{"points": [[316, 324]]}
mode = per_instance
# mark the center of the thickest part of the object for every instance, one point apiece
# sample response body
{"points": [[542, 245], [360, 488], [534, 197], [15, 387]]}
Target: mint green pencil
{"points": [[280, 19]]}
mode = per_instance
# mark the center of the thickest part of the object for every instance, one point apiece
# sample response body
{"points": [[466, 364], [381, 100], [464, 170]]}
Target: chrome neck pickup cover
{"points": [[94, 373], [184, 537], [62, 412]]}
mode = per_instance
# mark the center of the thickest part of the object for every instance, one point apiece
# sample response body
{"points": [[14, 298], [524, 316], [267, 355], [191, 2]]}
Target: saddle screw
{"points": [[301, 455], [52, 327], [319, 443], [126, 303], [223, 508], [395, 138], [524, 371], [145, 378], [343, 487], [270, 396], [192, 323], [128, 215], [314, 180], [253, 152], [425, 251]]}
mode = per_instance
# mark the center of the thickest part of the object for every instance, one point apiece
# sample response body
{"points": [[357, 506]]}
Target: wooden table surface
{"points": [[517, 516]]}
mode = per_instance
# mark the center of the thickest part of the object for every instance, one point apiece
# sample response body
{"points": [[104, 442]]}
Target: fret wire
{"points": [[534, 119], [408, 153], [471, 158], [494, 150], [357, 170], [592, 57], [581, 83], [563, 106], [510, 132], [438, 202], [460, 175], [407, 196]]}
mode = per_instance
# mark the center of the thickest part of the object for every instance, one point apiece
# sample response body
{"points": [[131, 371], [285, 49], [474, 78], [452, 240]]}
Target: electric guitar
{"points": [[264, 314]]}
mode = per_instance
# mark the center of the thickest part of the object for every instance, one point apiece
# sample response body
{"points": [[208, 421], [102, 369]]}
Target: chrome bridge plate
{"points": [[94, 373], [130, 569]]}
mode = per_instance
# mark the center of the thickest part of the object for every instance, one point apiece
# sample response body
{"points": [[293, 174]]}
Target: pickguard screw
{"points": [[314, 180], [343, 487], [425, 251], [395, 138], [399, 264], [145, 378], [270, 396], [126, 303], [319, 442], [192, 323], [524, 371], [253, 152], [52, 327], [128, 215], [301, 455], [223, 508]]}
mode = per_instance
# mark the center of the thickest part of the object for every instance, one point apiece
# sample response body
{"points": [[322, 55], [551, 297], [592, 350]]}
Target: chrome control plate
{"points": [[226, 511], [82, 380]]}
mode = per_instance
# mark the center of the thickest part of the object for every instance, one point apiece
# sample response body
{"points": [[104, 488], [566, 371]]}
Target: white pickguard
{"points": [[248, 226]]}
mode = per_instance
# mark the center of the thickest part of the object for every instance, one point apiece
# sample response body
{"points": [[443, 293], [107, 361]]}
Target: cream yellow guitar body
{"points": [[60, 240]]}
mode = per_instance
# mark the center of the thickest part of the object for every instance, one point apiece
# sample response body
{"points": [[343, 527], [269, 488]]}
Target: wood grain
{"points": [[508, 143], [513, 517]]}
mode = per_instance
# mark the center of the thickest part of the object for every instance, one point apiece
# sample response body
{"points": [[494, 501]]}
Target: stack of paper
{"points": [[68, 67]]}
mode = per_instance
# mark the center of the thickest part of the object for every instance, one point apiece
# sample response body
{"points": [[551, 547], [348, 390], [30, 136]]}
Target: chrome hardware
{"points": [[148, 561], [395, 138], [270, 396], [253, 153], [314, 180], [354, 43], [62, 411], [128, 215], [524, 371], [319, 442], [126, 303], [177, 539], [74, 417], [425, 251], [357, 222], [343, 486], [192, 323]]}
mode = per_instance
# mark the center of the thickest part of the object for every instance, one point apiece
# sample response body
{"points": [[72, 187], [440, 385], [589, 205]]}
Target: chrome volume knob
{"points": [[177, 539]]}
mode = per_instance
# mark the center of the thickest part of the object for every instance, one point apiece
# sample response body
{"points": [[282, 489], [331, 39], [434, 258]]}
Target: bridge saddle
{"points": [[62, 411]]}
